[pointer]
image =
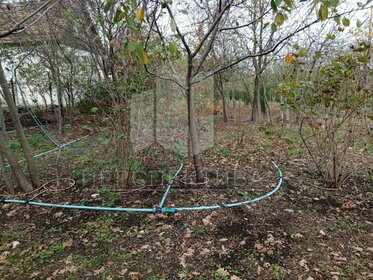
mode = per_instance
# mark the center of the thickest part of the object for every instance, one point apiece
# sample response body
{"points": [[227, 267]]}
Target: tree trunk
{"points": [[194, 135], [13, 91], [256, 112], [18, 127], [223, 99], [59, 100], [122, 139], [50, 89], [155, 117], [6, 179], [13, 162]]}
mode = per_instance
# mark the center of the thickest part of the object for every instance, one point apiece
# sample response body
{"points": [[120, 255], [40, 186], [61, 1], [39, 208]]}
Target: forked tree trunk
{"points": [[18, 127]]}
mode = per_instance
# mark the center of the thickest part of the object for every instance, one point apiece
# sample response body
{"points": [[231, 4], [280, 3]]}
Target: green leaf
{"points": [[345, 21], [330, 36], [323, 12], [101, 21], [273, 27], [355, 101], [173, 25], [363, 59], [289, 3], [133, 4], [317, 55], [185, 12], [172, 48], [359, 23], [94, 110], [119, 15], [279, 20], [140, 50], [337, 20], [132, 24], [334, 3], [274, 5], [107, 5]]}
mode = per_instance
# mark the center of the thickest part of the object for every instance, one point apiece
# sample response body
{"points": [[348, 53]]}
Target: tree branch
{"points": [[251, 55], [19, 26], [186, 46], [211, 29]]}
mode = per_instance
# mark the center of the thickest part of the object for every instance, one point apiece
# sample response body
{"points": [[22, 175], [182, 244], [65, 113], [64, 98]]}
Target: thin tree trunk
{"points": [[18, 127], [50, 89], [256, 113], [224, 101], [122, 138], [13, 91], [13, 162], [194, 136], [6, 179], [59, 100], [155, 116]]}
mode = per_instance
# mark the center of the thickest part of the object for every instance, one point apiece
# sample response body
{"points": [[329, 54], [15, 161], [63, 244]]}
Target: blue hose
{"points": [[160, 208], [78, 207], [53, 150], [257, 199], [169, 185]]}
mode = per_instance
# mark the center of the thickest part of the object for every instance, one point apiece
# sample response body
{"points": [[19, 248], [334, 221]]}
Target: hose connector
{"points": [[169, 211], [164, 210]]}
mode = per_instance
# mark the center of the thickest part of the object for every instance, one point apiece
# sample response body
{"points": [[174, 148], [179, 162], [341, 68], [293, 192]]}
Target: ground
{"points": [[304, 231]]}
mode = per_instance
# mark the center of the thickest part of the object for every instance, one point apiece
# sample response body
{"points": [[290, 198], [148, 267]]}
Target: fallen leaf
{"points": [[303, 263], [223, 239], [68, 243], [135, 275], [223, 272], [348, 206], [15, 244], [98, 271]]}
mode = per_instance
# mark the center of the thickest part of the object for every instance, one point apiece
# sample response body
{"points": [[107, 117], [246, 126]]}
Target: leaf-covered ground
{"points": [[302, 232]]}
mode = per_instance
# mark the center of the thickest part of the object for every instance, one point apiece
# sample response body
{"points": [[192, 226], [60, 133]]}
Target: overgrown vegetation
{"points": [[101, 101]]}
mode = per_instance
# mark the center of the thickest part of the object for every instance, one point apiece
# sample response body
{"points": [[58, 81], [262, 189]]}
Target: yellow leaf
{"points": [[145, 58], [139, 14], [288, 58], [279, 19]]}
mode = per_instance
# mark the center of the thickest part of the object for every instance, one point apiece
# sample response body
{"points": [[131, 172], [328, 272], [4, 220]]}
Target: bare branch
{"points": [[247, 24], [186, 46], [18, 27], [212, 28], [271, 50]]}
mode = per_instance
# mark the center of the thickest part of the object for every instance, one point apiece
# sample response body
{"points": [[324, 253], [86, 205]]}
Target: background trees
{"points": [[101, 53]]}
